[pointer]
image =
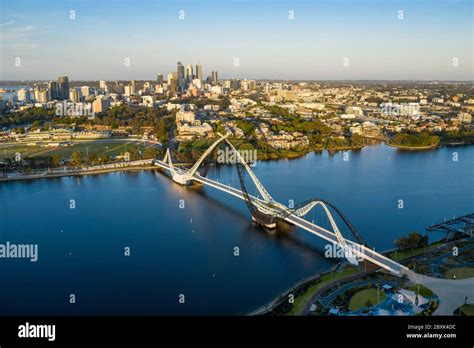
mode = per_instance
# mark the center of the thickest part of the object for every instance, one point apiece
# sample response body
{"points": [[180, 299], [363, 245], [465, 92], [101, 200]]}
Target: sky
{"points": [[323, 40]]}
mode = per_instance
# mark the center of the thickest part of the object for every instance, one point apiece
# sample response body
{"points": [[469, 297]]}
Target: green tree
{"points": [[412, 241], [55, 160], [93, 158], [246, 126], [104, 158], [160, 130], [151, 152], [36, 124], [357, 140], [76, 158]]}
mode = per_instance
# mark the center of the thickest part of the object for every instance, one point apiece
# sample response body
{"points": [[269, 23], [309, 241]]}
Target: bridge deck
{"points": [[361, 251]]}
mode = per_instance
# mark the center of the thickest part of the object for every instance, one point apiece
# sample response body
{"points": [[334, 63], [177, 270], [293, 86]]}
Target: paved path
{"points": [[59, 172], [326, 301], [451, 292]]}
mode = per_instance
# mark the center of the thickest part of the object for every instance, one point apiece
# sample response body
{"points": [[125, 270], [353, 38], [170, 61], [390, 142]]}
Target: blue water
{"points": [[190, 251]]}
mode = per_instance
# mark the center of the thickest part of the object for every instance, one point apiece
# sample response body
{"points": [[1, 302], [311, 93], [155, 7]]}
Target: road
{"points": [[451, 292]]}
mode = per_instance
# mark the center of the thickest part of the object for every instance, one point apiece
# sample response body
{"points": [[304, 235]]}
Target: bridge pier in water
{"points": [[265, 220], [181, 179]]}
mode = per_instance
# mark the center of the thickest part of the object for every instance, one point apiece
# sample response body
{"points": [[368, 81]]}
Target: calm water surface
{"points": [[190, 251]]}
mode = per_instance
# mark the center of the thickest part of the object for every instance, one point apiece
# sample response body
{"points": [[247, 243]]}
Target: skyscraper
{"points": [[85, 91], [63, 87], [23, 95], [53, 90], [159, 79], [215, 79], [199, 72], [188, 74], [180, 72], [103, 85], [74, 95]]}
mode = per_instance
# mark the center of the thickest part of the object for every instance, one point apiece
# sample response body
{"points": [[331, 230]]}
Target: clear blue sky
{"points": [[268, 44]]}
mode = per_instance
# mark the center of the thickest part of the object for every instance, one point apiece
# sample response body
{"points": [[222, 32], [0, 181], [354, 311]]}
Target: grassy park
{"points": [[405, 254], [302, 299], [366, 298], [111, 148], [421, 290], [460, 273], [467, 309]]}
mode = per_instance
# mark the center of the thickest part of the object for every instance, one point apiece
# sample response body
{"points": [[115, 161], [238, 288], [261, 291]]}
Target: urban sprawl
{"points": [[278, 118]]}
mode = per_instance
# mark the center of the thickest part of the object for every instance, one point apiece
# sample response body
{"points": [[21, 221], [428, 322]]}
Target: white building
{"points": [[188, 132], [465, 117], [354, 110], [103, 85], [129, 90], [23, 95], [184, 116], [85, 91], [147, 100]]}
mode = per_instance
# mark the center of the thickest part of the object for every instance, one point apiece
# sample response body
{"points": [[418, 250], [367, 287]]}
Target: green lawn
{"points": [[460, 273], [9, 151], [401, 255], [302, 300], [101, 148], [423, 290], [467, 309], [360, 299]]}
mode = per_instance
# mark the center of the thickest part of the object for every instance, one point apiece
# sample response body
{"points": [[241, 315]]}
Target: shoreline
{"points": [[92, 171], [412, 148], [81, 173], [270, 306]]}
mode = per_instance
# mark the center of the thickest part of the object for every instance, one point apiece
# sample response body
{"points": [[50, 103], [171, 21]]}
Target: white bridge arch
{"points": [[268, 206]]}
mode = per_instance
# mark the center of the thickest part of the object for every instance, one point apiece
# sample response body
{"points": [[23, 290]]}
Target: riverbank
{"points": [[412, 148], [75, 172], [306, 290]]}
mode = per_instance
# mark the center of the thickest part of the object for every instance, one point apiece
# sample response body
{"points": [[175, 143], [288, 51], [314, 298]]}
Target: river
{"points": [[191, 250]]}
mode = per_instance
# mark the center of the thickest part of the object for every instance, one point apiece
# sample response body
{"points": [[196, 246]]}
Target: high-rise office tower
{"points": [[53, 90], [159, 79], [103, 85], [118, 87], [85, 91], [23, 95], [134, 86], [170, 78], [180, 72], [74, 95], [43, 96], [215, 79], [147, 87], [199, 72], [188, 73], [63, 87], [128, 90]]}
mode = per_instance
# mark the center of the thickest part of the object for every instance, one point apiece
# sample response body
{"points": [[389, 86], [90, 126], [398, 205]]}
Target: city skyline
{"points": [[238, 39], [227, 159]]}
